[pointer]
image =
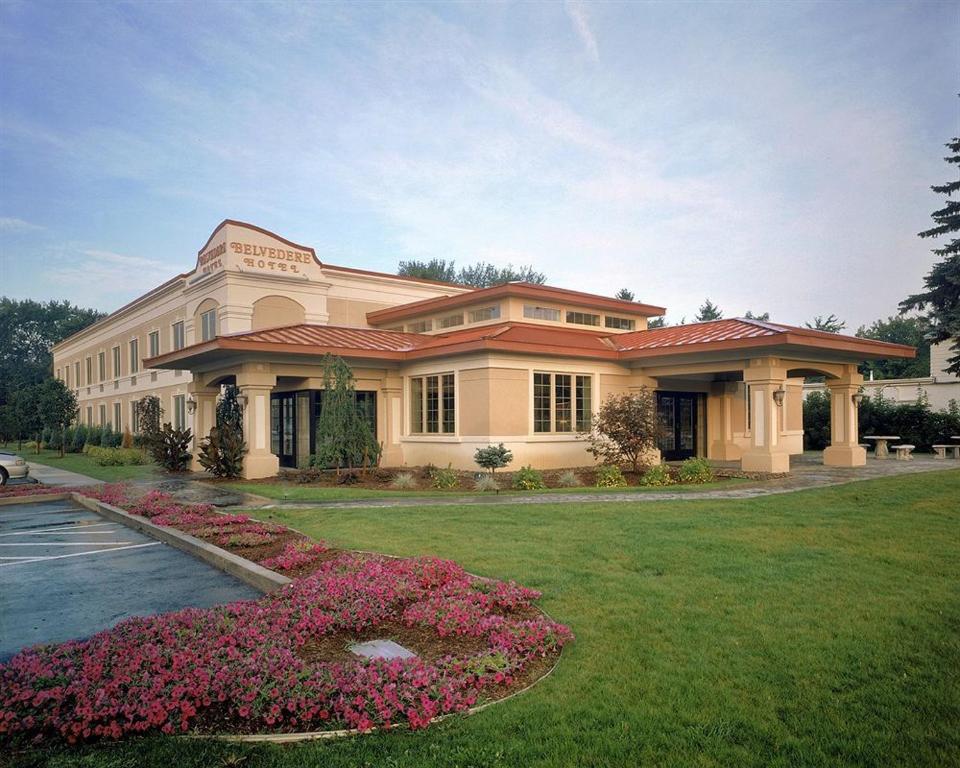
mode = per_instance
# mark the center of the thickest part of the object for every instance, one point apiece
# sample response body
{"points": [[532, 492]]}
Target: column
{"points": [[722, 447], [390, 421], [844, 449], [203, 418], [256, 387], [766, 452]]}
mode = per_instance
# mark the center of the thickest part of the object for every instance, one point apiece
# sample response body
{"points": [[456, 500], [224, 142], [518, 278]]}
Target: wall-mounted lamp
{"points": [[857, 398], [242, 400], [191, 404], [778, 395]]}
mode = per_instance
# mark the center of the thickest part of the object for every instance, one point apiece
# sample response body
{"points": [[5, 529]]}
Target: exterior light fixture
{"points": [[242, 400], [778, 395], [191, 404], [857, 398]]}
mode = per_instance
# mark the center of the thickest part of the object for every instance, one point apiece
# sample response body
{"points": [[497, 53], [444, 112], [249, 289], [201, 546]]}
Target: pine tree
{"points": [[831, 324], [625, 294], [942, 294], [344, 437], [709, 311]]}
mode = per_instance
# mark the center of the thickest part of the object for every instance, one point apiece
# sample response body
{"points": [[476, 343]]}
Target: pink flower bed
{"points": [[237, 667], [296, 554]]}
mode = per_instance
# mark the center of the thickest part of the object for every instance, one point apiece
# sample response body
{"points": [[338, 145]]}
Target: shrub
{"points": [[493, 457], [657, 475], [569, 479], [528, 479], [426, 471], [405, 481], [228, 408], [170, 448], [445, 479], [115, 457], [696, 470], [486, 483], [610, 476], [78, 439], [221, 454], [625, 428], [344, 437], [149, 413], [127, 440], [94, 435]]}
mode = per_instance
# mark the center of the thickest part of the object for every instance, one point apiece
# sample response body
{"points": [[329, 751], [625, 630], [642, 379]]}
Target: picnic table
{"points": [[881, 452]]}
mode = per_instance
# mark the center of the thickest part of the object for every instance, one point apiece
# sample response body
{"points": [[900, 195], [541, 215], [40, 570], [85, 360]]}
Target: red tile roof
{"points": [[733, 334]]}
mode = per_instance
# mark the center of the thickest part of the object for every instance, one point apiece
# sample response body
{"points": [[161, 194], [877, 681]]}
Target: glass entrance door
{"points": [[677, 423], [283, 428]]}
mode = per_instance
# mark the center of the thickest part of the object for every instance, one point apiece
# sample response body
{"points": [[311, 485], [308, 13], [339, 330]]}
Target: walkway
{"points": [[806, 473], [56, 476]]}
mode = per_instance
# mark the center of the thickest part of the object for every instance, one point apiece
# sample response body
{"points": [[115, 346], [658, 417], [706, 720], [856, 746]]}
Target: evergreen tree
{"points": [[229, 410], [942, 294], [831, 324], [436, 269], [625, 294], [762, 318], [708, 311], [657, 322], [479, 275], [344, 437]]}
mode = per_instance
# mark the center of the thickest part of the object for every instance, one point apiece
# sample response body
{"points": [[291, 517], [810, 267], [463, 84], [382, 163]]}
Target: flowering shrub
{"points": [[294, 555], [239, 663], [610, 476], [658, 474]]}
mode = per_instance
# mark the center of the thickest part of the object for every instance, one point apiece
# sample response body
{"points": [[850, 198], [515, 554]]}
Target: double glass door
{"points": [[677, 416]]}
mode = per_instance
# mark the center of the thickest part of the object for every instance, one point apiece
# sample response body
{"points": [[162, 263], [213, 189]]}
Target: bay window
{"points": [[432, 404], [562, 402]]}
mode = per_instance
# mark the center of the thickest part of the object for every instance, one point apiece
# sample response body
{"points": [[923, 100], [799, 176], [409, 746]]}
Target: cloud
{"points": [[12, 224], [109, 279], [578, 15]]}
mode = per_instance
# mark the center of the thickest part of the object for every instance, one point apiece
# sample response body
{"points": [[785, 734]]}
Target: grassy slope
{"points": [[812, 629], [293, 492], [79, 462]]}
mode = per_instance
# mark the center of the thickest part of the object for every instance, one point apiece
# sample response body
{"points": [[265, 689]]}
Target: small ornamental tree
{"points": [[149, 413], [625, 428], [344, 437], [229, 410], [493, 457], [170, 448], [56, 406], [221, 454]]}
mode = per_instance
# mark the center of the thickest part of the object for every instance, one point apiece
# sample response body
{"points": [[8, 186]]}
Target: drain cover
{"points": [[381, 649]]}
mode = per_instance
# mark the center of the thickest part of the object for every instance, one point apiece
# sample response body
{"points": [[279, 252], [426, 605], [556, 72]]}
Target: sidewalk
{"points": [[56, 476]]}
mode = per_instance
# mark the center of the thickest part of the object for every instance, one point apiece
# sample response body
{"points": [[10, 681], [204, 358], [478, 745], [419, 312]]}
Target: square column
{"points": [[202, 420], [390, 421], [844, 449], [766, 453], [722, 447], [259, 461]]}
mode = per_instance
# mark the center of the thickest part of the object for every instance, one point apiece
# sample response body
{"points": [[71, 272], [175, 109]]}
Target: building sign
{"points": [[270, 259], [212, 259]]}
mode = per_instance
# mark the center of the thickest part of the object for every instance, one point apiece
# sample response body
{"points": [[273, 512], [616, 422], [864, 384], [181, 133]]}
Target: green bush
{"points": [[222, 452], [528, 479], [610, 476], [658, 475], [171, 448], [493, 457], [445, 479], [79, 439], [696, 470], [94, 434], [116, 457]]}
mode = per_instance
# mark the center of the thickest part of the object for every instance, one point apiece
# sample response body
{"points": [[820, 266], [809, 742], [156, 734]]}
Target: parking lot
{"points": [[67, 573]]}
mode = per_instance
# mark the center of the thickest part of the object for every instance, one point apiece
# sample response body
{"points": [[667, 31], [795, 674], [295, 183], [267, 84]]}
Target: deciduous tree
{"points": [[625, 428]]}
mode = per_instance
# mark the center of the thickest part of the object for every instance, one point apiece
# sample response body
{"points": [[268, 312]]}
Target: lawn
{"points": [[79, 462], [819, 628], [283, 491]]}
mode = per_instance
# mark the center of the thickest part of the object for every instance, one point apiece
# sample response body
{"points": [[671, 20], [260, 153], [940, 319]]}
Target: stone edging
{"points": [[247, 571], [34, 498]]}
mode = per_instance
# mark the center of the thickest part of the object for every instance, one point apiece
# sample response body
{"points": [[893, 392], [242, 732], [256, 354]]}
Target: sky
{"points": [[774, 157]]}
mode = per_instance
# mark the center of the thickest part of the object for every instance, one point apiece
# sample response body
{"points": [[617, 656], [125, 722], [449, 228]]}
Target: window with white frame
{"points": [[450, 321], [153, 341], [620, 323], [420, 326], [102, 366], [103, 415], [89, 370], [432, 404], [76, 374], [208, 325], [117, 417], [134, 355], [116, 362], [541, 313], [562, 402], [179, 411], [178, 337], [481, 314], [582, 318], [89, 415]]}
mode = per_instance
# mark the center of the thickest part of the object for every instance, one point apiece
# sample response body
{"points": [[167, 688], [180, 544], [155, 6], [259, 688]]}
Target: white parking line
{"points": [[78, 554], [62, 529], [62, 543]]}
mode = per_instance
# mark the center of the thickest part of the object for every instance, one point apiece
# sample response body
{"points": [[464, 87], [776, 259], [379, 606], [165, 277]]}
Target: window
{"points": [[154, 343], [134, 355], [89, 415], [76, 374], [59, 372], [582, 318], [485, 313], [103, 415], [67, 380], [620, 323], [101, 366], [451, 320], [562, 402], [116, 362], [540, 313], [89, 370], [421, 326], [432, 404], [208, 325], [178, 337], [179, 411], [117, 417], [134, 417]]}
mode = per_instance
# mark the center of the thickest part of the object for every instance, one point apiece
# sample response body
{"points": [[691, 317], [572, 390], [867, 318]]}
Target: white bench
{"points": [[903, 452], [941, 451]]}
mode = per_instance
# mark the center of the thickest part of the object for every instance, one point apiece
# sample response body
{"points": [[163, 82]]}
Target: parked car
{"points": [[12, 467]]}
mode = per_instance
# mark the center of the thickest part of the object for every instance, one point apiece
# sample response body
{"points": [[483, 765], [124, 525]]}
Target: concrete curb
{"points": [[35, 498], [249, 572]]}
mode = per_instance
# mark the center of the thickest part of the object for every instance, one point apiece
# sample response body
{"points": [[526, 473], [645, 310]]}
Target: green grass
{"points": [[295, 492], [79, 462], [819, 628]]}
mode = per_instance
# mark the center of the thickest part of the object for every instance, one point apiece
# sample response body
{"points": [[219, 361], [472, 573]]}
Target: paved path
{"points": [[67, 573], [805, 474], [55, 476]]}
